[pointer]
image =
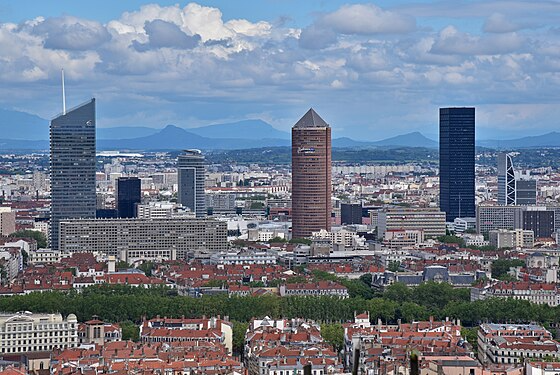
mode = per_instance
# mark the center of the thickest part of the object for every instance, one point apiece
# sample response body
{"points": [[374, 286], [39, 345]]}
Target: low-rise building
{"points": [[179, 330], [513, 343], [25, 332], [321, 288]]}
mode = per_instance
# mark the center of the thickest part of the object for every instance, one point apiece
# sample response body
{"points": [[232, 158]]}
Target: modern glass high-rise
{"points": [[191, 175], [506, 180], [72, 167], [514, 188], [456, 162], [311, 175], [128, 196]]}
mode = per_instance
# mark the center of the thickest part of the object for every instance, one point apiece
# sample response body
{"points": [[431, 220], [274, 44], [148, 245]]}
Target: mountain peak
{"points": [[245, 129]]}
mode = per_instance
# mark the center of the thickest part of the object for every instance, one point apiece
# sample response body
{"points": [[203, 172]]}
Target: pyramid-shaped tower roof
{"points": [[311, 120]]}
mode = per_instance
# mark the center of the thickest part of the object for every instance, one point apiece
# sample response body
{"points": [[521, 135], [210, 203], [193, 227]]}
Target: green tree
{"points": [[394, 266], [366, 279], [147, 268], [303, 241], [501, 267], [36, 235], [277, 240], [333, 334], [452, 240], [398, 292], [130, 331], [239, 330], [471, 335]]}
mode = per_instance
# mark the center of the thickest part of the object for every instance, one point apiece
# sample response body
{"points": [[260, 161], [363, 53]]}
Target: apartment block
{"points": [[430, 221], [513, 343], [155, 239], [25, 332]]}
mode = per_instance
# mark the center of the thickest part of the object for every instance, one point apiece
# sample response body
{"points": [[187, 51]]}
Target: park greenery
{"points": [[129, 305], [34, 234], [124, 303], [501, 267]]}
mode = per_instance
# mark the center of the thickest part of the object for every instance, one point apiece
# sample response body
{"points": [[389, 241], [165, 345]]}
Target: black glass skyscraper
{"points": [[191, 176], [128, 196], [72, 167], [456, 162]]}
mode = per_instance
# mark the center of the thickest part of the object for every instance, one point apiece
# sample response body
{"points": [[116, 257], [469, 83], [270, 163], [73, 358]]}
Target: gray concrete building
{"points": [[431, 221], [153, 239]]}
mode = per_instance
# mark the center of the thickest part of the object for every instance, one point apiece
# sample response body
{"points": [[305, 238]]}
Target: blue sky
{"points": [[371, 69]]}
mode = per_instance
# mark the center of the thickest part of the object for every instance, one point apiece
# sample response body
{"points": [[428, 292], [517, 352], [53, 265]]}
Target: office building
{"points": [[518, 238], [525, 192], [311, 175], [514, 188], [539, 220], [430, 221], [498, 217], [506, 180], [7, 221], [151, 239], [351, 213], [72, 167], [191, 173], [156, 210], [128, 196], [456, 162], [25, 332]]}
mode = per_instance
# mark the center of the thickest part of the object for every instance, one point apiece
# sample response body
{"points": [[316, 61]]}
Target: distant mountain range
{"points": [[551, 139], [23, 131]]}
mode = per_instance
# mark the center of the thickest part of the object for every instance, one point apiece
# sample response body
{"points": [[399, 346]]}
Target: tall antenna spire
{"points": [[63, 94]]}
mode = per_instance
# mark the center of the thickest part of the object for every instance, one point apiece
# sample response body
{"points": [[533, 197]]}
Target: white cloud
{"points": [[192, 62], [452, 41], [70, 33], [367, 19], [499, 23]]}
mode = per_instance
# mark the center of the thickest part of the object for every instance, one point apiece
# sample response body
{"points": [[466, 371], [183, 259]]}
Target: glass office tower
{"points": [[72, 167], [456, 162], [128, 196], [191, 175]]}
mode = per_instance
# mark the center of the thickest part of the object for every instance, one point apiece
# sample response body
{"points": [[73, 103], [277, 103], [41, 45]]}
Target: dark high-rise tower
{"points": [[191, 175], [128, 196], [456, 162], [311, 175], [72, 167]]}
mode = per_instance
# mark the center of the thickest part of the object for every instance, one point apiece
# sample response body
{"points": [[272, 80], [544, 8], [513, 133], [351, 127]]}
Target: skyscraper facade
{"points": [[311, 175], [128, 196], [506, 180], [456, 162], [525, 192], [514, 188], [72, 167], [191, 174]]}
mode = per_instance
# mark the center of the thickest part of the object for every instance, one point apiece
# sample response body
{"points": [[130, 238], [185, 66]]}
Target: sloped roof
{"points": [[311, 120]]}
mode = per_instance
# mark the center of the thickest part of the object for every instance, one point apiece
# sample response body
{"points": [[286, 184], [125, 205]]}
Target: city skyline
{"points": [[211, 62]]}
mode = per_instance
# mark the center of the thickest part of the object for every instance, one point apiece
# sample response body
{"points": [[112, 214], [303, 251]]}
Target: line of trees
{"points": [[122, 303]]}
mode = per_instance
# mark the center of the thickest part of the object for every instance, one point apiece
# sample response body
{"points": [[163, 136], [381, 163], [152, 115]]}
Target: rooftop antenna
{"points": [[63, 94]]}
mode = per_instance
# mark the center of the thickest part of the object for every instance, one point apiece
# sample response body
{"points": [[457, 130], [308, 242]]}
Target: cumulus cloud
{"points": [[367, 19], [452, 41], [499, 23], [358, 19], [344, 60], [71, 33], [163, 34]]}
